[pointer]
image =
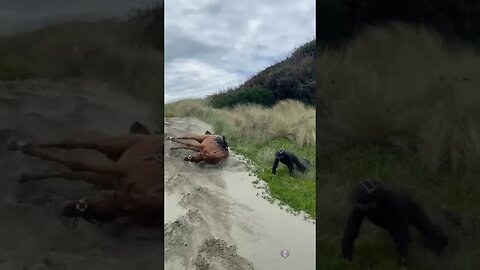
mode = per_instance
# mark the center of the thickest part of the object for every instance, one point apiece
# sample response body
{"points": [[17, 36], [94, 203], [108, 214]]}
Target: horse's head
{"points": [[95, 211], [193, 158]]}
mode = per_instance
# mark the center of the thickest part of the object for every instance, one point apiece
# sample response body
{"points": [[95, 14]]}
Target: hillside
{"points": [[128, 54], [292, 78]]}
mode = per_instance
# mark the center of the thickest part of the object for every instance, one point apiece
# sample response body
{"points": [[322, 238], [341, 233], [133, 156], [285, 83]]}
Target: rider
{"points": [[289, 159], [393, 211]]}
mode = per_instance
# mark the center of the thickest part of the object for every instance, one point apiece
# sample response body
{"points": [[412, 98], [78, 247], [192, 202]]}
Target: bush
{"points": [[292, 78], [255, 95]]}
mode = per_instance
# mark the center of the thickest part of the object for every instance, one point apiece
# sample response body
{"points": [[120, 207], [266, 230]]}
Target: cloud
{"points": [[191, 78], [231, 40]]}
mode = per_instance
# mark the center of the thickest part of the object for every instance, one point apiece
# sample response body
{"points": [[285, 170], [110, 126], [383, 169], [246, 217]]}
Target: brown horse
{"points": [[134, 173], [211, 148]]}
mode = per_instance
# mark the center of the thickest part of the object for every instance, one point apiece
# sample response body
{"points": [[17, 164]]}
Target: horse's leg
{"points": [[94, 178], [195, 148], [198, 138], [106, 167], [112, 147]]}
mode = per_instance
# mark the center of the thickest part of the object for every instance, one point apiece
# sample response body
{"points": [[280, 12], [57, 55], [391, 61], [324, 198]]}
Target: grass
{"points": [[112, 51], [400, 104], [256, 133]]}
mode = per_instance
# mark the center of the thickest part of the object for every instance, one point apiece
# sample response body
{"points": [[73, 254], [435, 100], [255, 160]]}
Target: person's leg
{"points": [[419, 219], [401, 239], [290, 167], [299, 165]]}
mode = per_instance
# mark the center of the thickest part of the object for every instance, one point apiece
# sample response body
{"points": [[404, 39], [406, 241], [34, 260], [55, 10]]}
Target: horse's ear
{"points": [[138, 127], [130, 188]]}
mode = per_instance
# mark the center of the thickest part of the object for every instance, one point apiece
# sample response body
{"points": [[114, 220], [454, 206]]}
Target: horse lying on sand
{"points": [[134, 173], [211, 148]]}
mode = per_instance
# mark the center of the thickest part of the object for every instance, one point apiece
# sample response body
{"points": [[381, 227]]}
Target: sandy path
{"points": [[32, 234], [216, 220]]}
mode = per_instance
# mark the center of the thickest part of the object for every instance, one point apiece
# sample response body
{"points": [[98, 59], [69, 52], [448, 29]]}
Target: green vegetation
{"points": [[341, 20], [400, 104], [127, 54], [255, 95], [257, 132], [292, 78]]}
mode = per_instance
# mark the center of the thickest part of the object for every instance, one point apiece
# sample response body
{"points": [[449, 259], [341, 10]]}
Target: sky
{"points": [[26, 15], [211, 45]]}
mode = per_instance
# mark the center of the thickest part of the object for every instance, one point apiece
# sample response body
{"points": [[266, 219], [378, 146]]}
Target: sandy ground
{"points": [[33, 236], [216, 218]]}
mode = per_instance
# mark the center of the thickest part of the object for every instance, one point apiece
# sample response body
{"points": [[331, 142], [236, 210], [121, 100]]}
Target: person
{"points": [[289, 159], [393, 211]]}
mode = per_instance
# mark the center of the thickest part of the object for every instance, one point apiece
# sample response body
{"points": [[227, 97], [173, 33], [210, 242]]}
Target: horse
{"points": [[133, 174], [211, 148]]}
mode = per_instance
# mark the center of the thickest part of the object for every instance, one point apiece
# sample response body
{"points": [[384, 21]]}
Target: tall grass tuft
{"points": [[291, 120], [125, 54], [400, 85]]}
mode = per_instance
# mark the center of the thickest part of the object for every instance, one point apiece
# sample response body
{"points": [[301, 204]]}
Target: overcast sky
{"points": [[211, 45], [24, 15]]}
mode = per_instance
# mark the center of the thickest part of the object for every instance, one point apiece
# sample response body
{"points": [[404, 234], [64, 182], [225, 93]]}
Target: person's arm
{"points": [[274, 167], [351, 233]]}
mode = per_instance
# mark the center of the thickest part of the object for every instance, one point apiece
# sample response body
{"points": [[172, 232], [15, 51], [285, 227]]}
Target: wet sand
{"points": [[216, 218], [33, 236]]}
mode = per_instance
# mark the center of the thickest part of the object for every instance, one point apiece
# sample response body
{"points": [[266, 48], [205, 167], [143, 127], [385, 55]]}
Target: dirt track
{"points": [[32, 234], [216, 220]]}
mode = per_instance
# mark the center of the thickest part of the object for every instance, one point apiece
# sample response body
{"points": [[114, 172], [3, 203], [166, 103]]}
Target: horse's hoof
{"points": [[24, 177], [14, 145], [28, 148]]}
